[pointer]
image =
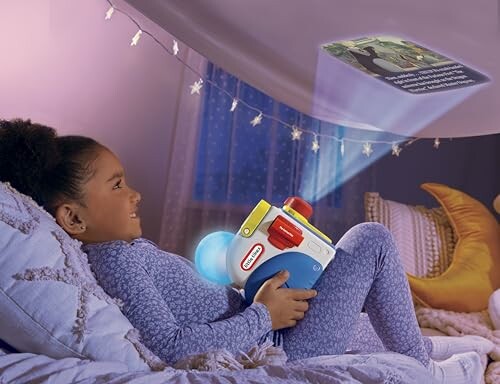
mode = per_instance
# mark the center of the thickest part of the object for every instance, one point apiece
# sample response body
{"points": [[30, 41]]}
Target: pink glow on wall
{"points": [[64, 65]]}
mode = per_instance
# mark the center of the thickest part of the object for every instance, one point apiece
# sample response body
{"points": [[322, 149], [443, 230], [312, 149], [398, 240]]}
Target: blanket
{"points": [[377, 368], [459, 324]]}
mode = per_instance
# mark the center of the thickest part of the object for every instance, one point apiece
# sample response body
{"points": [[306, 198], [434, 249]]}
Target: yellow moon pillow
{"points": [[474, 273]]}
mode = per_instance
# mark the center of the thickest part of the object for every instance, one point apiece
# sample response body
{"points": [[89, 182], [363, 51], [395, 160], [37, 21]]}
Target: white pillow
{"points": [[494, 309], [50, 302]]}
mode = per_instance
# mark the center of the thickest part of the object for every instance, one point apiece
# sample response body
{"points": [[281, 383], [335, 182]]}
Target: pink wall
{"points": [[63, 65]]}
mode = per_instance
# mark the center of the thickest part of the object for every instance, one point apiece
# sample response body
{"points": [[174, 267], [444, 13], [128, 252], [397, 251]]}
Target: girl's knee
{"points": [[366, 239], [370, 230]]}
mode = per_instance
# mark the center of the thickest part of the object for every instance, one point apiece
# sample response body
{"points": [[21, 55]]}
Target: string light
{"points": [[109, 13], [396, 149], [296, 131], [196, 87], [367, 149], [234, 104], [315, 144], [136, 38], [256, 120]]}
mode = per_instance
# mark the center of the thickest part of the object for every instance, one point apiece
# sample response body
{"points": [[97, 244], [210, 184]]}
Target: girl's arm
{"points": [[123, 276]]}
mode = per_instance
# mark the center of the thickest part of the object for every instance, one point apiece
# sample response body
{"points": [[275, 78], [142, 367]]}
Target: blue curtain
{"points": [[238, 163]]}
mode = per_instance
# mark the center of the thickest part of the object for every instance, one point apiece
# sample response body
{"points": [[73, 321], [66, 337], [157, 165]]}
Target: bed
{"points": [[452, 255], [368, 369], [70, 330]]}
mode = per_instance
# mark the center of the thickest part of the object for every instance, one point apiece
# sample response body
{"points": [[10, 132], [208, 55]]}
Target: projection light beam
{"points": [[384, 82]]}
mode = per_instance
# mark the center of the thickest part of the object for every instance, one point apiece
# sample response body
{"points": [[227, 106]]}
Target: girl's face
{"points": [[110, 205]]}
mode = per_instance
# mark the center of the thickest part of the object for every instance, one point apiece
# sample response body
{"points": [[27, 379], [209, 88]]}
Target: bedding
{"points": [[114, 358], [477, 233], [390, 368], [50, 302], [458, 324]]}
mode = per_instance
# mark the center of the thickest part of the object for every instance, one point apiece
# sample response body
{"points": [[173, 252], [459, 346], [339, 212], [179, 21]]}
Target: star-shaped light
{"points": [[175, 48], [136, 38], [256, 120], [436, 142], [342, 148], [196, 87], [109, 13], [315, 144], [367, 149], [233, 105], [396, 149], [296, 133]]}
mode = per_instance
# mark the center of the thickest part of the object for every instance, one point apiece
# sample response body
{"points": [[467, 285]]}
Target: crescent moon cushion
{"points": [[474, 273]]}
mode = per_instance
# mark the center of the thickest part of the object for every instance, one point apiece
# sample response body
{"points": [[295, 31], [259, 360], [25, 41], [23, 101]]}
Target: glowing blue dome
{"points": [[210, 257]]}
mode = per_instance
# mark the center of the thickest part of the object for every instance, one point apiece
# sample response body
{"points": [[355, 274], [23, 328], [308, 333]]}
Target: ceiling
{"points": [[276, 47]]}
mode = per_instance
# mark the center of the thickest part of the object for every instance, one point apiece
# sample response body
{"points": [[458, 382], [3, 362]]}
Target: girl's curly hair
{"points": [[37, 162]]}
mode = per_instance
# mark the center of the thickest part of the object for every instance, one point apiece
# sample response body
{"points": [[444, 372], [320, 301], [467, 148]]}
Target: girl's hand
{"points": [[286, 305]]}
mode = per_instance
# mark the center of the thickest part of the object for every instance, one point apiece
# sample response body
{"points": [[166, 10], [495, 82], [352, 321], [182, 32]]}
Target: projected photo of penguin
{"points": [[404, 64]]}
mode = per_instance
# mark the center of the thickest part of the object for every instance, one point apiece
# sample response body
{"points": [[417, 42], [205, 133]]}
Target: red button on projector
{"points": [[283, 234]]}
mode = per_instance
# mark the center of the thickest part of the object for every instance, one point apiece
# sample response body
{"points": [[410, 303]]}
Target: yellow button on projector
{"points": [[253, 220]]}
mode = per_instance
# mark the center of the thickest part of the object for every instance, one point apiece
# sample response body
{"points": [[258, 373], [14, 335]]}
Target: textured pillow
{"points": [[50, 302], [474, 273], [494, 309], [424, 237]]}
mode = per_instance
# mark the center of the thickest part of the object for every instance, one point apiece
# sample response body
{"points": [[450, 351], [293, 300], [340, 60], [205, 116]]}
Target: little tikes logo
{"points": [[251, 257]]}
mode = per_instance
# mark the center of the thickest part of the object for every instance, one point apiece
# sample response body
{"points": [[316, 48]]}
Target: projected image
{"points": [[404, 64]]}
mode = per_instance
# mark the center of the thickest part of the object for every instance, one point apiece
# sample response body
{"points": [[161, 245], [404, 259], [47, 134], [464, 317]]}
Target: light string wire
{"points": [[296, 131]]}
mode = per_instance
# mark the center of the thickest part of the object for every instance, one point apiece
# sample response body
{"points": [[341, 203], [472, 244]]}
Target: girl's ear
{"points": [[68, 217]]}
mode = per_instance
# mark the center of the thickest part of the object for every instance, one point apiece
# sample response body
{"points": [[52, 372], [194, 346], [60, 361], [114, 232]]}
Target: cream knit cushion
{"points": [[424, 237], [494, 309], [50, 302]]}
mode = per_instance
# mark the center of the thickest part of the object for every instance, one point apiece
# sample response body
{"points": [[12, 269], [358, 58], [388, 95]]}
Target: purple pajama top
{"points": [[177, 312]]}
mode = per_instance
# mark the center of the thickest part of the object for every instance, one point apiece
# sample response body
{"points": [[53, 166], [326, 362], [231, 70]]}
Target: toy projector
{"points": [[273, 239]]}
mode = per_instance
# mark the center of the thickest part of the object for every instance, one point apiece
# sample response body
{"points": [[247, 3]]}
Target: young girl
{"points": [[82, 184]]}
